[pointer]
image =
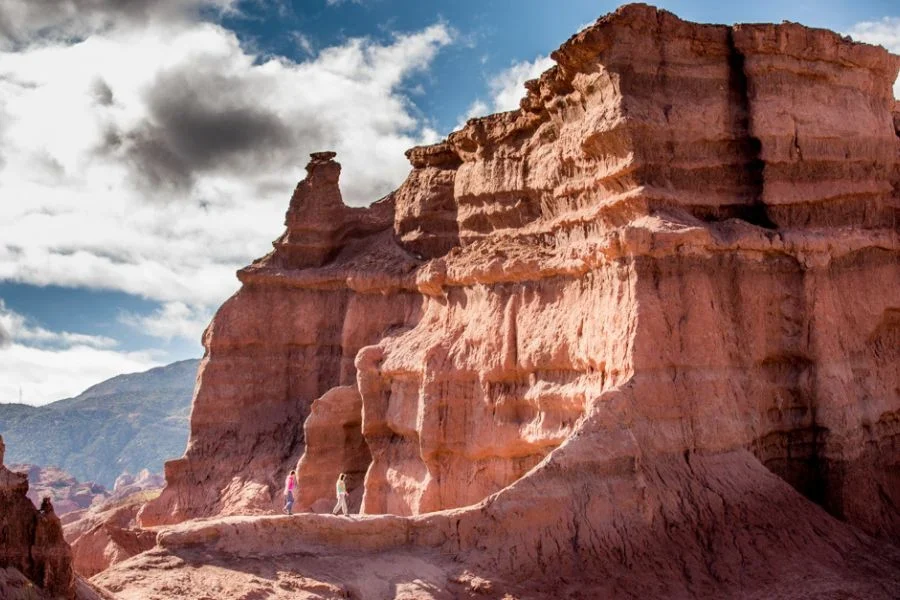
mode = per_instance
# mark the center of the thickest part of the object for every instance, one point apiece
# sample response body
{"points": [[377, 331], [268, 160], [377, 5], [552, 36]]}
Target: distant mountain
{"points": [[127, 423]]}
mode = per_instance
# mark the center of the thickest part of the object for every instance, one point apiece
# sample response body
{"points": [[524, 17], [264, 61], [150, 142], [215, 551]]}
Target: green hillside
{"points": [[127, 423]]}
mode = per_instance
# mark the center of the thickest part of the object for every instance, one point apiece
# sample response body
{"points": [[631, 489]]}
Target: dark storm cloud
{"points": [[201, 121], [24, 21], [102, 93], [206, 117], [5, 337]]}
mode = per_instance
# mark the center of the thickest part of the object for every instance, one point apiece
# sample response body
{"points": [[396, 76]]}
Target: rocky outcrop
{"points": [[34, 558], [334, 437], [334, 283], [645, 324], [107, 535], [65, 492], [127, 485]]}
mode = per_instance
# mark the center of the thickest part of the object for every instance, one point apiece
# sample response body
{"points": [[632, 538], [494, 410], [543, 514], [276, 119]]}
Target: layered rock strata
{"points": [[599, 323], [334, 283]]}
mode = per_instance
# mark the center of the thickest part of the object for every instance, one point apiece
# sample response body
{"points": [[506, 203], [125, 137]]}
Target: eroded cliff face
{"points": [[35, 561], [705, 214], [334, 283], [600, 322]]}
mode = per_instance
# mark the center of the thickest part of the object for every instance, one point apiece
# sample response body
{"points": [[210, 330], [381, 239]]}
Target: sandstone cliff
{"points": [[649, 323]]}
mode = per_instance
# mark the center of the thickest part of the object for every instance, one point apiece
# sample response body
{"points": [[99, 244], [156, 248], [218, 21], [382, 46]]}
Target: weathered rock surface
{"points": [[588, 523], [107, 533], [34, 558], [128, 485], [639, 338], [335, 442], [64, 490], [288, 336]]}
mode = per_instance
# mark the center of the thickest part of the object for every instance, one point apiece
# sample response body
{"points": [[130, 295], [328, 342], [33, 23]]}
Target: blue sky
{"points": [[494, 34], [148, 150]]}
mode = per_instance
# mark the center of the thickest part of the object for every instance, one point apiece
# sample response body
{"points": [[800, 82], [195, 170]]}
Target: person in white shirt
{"points": [[341, 491]]}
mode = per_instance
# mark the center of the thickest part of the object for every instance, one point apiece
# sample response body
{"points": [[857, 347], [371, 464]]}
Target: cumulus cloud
{"points": [[45, 375], [884, 32], [26, 21], [507, 88], [17, 328], [51, 365], [199, 120], [155, 154], [5, 336], [172, 320]]}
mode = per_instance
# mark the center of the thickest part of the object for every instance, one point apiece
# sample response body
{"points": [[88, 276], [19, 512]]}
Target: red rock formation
{"points": [[127, 485], [107, 535], [335, 442], [605, 329], [66, 492], [34, 558], [288, 336]]}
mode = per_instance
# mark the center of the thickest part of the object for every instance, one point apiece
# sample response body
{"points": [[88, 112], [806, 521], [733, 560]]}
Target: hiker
{"points": [[289, 484], [46, 507], [341, 491]]}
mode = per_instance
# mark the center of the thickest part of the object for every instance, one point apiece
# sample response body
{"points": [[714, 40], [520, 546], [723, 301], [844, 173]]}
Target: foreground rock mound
{"points": [[107, 532], [640, 336]]}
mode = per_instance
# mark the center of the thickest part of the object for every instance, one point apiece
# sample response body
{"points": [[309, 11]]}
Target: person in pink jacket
{"points": [[289, 484]]}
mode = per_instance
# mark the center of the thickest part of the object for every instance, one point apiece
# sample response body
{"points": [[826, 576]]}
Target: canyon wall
{"points": [[698, 221], [333, 284]]}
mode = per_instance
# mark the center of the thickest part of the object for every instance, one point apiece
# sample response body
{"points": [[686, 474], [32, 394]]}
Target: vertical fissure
{"points": [[754, 210]]}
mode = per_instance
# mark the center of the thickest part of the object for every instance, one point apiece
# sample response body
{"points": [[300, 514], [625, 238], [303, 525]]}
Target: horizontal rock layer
{"points": [[613, 314]]}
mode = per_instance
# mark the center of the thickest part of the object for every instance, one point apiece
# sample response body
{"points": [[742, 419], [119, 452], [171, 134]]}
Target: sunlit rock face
{"points": [[698, 221]]}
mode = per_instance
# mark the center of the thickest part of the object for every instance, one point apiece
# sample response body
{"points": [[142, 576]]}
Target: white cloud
{"points": [[23, 22], [478, 108], [17, 328], [507, 88], [304, 43], [156, 155], [172, 320], [884, 32], [45, 365], [45, 375]]}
